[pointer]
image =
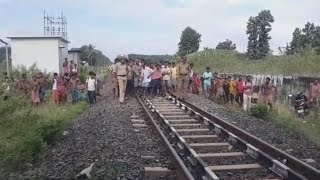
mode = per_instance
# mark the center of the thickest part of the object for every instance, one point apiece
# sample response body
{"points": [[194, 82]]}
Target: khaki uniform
{"points": [[121, 70], [183, 71]]}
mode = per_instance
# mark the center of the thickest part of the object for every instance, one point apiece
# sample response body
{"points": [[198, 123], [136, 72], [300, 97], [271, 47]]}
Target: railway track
{"points": [[206, 147]]}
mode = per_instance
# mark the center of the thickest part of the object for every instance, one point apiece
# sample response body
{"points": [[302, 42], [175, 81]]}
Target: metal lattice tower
{"points": [[55, 26]]}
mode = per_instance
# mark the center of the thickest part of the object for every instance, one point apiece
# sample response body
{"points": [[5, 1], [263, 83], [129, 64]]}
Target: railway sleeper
{"points": [[157, 172]]}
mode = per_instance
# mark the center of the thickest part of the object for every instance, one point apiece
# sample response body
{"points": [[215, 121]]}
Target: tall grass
{"points": [[306, 64], [24, 130], [308, 126]]}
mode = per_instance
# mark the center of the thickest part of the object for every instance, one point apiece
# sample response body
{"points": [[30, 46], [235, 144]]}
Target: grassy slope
{"points": [[307, 64]]}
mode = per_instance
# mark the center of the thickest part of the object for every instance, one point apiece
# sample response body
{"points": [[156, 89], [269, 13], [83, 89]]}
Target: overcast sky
{"points": [[154, 26]]}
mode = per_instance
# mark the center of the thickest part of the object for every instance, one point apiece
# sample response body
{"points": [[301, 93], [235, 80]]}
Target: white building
{"points": [[47, 52], [74, 54]]}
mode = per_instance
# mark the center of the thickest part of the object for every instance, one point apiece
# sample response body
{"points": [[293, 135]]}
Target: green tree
{"points": [[258, 29], [252, 31], [227, 45], [306, 38], [93, 56], [189, 41], [151, 58]]}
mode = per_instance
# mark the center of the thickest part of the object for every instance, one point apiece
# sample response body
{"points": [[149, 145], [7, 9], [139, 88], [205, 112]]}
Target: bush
{"points": [[24, 130], [259, 111]]}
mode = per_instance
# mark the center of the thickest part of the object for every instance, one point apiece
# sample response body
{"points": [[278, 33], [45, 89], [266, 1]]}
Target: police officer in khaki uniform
{"points": [[183, 70], [120, 73]]}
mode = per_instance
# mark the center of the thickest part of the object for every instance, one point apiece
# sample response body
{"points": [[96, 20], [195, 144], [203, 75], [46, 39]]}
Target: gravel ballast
{"points": [[284, 139], [104, 135]]}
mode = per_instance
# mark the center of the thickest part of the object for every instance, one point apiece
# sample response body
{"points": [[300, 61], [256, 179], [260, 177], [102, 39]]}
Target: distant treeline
{"points": [[151, 58]]}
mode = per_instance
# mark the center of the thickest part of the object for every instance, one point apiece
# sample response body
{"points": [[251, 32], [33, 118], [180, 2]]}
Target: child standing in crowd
{"points": [[62, 89], [196, 83], [82, 92], [74, 88], [91, 83], [207, 82], [42, 84], [35, 87], [65, 66], [55, 94]]}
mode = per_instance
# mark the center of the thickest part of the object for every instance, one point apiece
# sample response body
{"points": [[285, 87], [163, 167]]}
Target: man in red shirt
{"points": [[240, 90], [156, 78]]}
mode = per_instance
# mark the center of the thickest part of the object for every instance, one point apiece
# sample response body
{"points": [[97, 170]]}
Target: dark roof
{"points": [[39, 37], [75, 50]]}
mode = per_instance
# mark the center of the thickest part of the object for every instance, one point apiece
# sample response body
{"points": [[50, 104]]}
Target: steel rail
{"points": [[182, 173], [295, 164]]}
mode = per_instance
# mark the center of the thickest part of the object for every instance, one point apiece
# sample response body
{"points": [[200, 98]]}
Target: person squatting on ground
{"points": [[183, 70], [207, 82], [91, 84], [120, 74], [267, 90]]}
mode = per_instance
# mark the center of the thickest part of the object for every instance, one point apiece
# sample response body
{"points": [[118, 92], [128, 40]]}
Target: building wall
{"points": [[43, 52], [75, 56], [63, 53]]}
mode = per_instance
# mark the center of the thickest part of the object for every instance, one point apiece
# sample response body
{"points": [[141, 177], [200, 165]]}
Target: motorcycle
{"points": [[301, 105]]}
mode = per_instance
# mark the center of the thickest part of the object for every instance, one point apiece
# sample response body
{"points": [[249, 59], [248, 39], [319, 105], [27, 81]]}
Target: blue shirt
{"points": [[209, 77]]}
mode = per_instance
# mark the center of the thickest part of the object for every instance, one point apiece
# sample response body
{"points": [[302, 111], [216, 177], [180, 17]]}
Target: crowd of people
{"points": [[132, 77], [65, 87], [136, 77]]}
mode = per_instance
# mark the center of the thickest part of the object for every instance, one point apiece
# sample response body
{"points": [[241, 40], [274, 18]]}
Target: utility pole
{"points": [[7, 57]]}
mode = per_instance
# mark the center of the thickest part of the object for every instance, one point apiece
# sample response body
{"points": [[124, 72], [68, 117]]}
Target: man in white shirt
{"points": [[91, 83], [145, 77], [166, 78]]}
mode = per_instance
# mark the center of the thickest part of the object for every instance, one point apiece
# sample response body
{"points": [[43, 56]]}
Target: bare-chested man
{"points": [[220, 90], [314, 91], [24, 85], [267, 90]]}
